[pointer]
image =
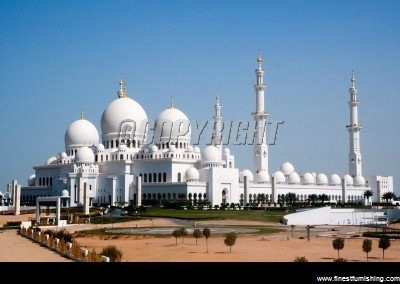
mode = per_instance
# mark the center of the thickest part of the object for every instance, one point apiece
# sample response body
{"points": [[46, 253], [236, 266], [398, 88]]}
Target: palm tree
{"points": [[338, 244], [367, 246], [323, 197], [312, 198], [207, 234], [388, 196], [367, 194], [384, 244]]}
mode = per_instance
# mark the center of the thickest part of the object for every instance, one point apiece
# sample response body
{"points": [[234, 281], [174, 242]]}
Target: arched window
{"points": [[154, 177], [179, 177], [150, 178], [224, 196], [159, 177], [145, 178], [121, 156], [164, 177]]}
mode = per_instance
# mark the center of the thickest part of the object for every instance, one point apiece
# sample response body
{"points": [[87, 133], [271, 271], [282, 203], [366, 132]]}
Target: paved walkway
{"points": [[15, 248]]}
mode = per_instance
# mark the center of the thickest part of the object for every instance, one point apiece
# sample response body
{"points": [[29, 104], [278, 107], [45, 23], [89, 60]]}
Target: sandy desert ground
{"points": [[249, 247]]}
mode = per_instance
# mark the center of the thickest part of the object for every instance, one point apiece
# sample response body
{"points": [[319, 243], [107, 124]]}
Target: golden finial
{"points": [[171, 103], [82, 116], [259, 59], [217, 96], [353, 80], [122, 88]]}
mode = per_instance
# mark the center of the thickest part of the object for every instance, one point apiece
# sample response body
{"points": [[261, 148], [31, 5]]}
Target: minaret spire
{"points": [[355, 162], [122, 88], [217, 122], [260, 116]]}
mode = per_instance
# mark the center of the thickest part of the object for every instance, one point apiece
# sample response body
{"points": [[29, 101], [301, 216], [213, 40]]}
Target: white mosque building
{"points": [[121, 167]]}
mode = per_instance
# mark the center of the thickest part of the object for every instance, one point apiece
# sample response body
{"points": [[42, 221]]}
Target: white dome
{"points": [[287, 168], [65, 193], [227, 151], [322, 179], [123, 111], [263, 176], [196, 150], [211, 154], [348, 180], [246, 173], [192, 174], [81, 132], [359, 181], [32, 180], [84, 155], [334, 179], [308, 178], [171, 125], [294, 178], [154, 148], [100, 147], [63, 155], [51, 160], [279, 177]]}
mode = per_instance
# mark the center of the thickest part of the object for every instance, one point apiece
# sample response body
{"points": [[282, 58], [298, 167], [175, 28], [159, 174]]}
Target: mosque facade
{"points": [[121, 168]]}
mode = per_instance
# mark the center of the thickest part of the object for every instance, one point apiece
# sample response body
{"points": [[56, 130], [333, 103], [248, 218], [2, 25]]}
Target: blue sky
{"points": [[59, 58]]}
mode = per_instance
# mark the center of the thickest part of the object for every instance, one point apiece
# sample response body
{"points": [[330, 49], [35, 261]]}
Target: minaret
{"points": [[355, 163], [217, 124], [260, 116]]}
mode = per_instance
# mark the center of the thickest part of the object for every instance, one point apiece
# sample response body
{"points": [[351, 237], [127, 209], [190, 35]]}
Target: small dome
{"points": [[334, 179], [246, 173], [100, 147], [32, 180], [65, 193], [81, 132], [308, 178], [322, 179], [154, 148], [211, 154], [287, 168], [84, 155], [294, 178], [51, 160], [348, 179], [279, 177], [227, 151], [192, 174], [359, 181], [196, 150], [263, 176], [63, 155]]}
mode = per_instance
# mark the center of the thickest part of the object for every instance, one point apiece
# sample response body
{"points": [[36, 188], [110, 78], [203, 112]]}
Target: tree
{"points": [[338, 244], [312, 198], [113, 253], [184, 233], [230, 239], [388, 196], [197, 234], [367, 194], [384, 244], [176, 234], [290, 199], [367, 246], [323, 197], [207, 234]]}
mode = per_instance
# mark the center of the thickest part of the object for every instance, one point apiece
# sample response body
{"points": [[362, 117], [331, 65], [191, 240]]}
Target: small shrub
{"points": [[300, 259], [340, 259], [113, 253]]}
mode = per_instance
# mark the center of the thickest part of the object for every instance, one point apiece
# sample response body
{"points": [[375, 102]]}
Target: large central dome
{"points": [[121, 113]]}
